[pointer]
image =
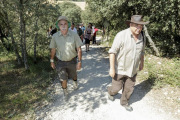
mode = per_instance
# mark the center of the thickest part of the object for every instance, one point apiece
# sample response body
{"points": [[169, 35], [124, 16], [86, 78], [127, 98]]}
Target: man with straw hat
{"points": [[126, 57], [66, 45]]}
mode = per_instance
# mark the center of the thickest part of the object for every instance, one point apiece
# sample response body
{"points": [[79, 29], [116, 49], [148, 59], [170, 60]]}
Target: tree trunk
{"points": [[2, 36], [23, 35], [150, 41], [25, 51], [35, 44], [21, 38], [12, 38], [4, 44], [36, 35]]}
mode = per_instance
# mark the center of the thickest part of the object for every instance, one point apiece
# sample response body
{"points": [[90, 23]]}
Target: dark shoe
{"points": [[128, 108], [110, 96], [88, 50]]}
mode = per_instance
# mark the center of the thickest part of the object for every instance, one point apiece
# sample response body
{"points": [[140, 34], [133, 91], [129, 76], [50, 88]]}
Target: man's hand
{"points": [[141, 66], [112, 72], [53, 65], [79, 66]]}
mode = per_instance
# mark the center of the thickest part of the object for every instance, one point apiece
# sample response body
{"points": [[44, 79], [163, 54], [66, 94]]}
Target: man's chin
{"points": [[138, 32]]}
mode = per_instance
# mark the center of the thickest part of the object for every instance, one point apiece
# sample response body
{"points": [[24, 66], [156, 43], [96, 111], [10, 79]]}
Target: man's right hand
{"points": [[112, 72], [53, 65]]}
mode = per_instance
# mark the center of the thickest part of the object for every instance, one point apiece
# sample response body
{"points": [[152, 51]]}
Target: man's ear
{"points": [[130, 24]]}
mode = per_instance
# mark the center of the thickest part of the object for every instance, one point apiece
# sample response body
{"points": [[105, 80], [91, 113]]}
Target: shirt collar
{"points": [[68, 33]]}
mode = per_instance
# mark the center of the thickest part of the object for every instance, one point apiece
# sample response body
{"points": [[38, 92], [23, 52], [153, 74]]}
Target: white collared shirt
{"points": [[127, 52], [74, 30]]}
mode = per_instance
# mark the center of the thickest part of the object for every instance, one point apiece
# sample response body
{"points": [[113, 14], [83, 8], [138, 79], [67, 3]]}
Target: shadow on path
{"points": [[141, 89], [92, 81]]}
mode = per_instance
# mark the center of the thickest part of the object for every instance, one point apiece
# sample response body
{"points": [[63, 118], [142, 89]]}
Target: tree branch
{"points": [[150, 41]]}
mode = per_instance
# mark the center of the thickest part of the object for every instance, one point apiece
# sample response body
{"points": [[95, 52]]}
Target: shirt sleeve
{"points": [[116, 44], [93, 30], [78, 41], [52, 43]]}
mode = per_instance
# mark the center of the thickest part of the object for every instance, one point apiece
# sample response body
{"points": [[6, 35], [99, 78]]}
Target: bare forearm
{"points": [[79, 54], [112, 61], [142, 59], [53, 52]]}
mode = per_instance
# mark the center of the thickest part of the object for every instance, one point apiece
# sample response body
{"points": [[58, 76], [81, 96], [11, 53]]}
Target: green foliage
{"points": [[91, 16], [73, 14], [164, 17], [71, 11], [161, 71], [22, 90], [73, 0], [66, 5]]}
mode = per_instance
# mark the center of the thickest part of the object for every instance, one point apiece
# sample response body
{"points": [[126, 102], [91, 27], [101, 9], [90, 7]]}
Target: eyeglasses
{"points": [[137, 25]]}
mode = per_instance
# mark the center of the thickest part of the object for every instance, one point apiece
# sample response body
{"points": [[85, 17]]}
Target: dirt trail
{"points": [[90, 101]]}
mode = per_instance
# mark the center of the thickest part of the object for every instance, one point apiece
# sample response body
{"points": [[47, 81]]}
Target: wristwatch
{"points": [[51, 60], [79, 61]]}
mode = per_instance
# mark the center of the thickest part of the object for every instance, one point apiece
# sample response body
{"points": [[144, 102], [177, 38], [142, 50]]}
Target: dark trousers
{"points": [[94, 39], [125, 82]]}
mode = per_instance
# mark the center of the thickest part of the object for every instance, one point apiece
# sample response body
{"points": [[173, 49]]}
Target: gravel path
{"points": [[90, 101]]}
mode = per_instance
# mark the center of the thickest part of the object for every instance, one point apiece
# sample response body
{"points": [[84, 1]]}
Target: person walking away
{"points": [[79, 32], [88, 36], [65, 45], [125, 54], [73, 28], [82, 28], [94, 36]]}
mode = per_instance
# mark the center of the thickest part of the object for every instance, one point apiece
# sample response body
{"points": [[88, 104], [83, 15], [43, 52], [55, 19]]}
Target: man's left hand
{"points": [[141, 66], [79, 66]]}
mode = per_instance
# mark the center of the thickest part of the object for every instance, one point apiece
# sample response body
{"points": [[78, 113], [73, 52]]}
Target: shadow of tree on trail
{"points": [[92, 80]]}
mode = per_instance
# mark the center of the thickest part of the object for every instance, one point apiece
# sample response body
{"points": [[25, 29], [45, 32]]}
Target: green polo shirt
{"points": [[65, 45]]}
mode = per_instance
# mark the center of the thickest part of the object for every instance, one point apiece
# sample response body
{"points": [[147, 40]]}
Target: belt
{"points": [[68, 60]]}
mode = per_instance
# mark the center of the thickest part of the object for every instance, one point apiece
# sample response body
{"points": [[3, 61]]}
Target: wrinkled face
{"points": [[136, 28], [63, 25]]}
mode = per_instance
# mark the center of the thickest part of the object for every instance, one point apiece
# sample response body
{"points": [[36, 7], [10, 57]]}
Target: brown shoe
{"points": [[128, 107]]}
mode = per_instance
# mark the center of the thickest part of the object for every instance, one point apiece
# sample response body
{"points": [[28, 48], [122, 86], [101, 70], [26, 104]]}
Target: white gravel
{"points": [[90, 101]]}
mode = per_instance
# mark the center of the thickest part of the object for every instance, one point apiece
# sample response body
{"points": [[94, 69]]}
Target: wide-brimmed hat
{"points": [[62, 18], [138, 19]]}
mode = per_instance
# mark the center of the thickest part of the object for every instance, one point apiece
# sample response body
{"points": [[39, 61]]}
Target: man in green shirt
{"points": [[66, 45]]}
